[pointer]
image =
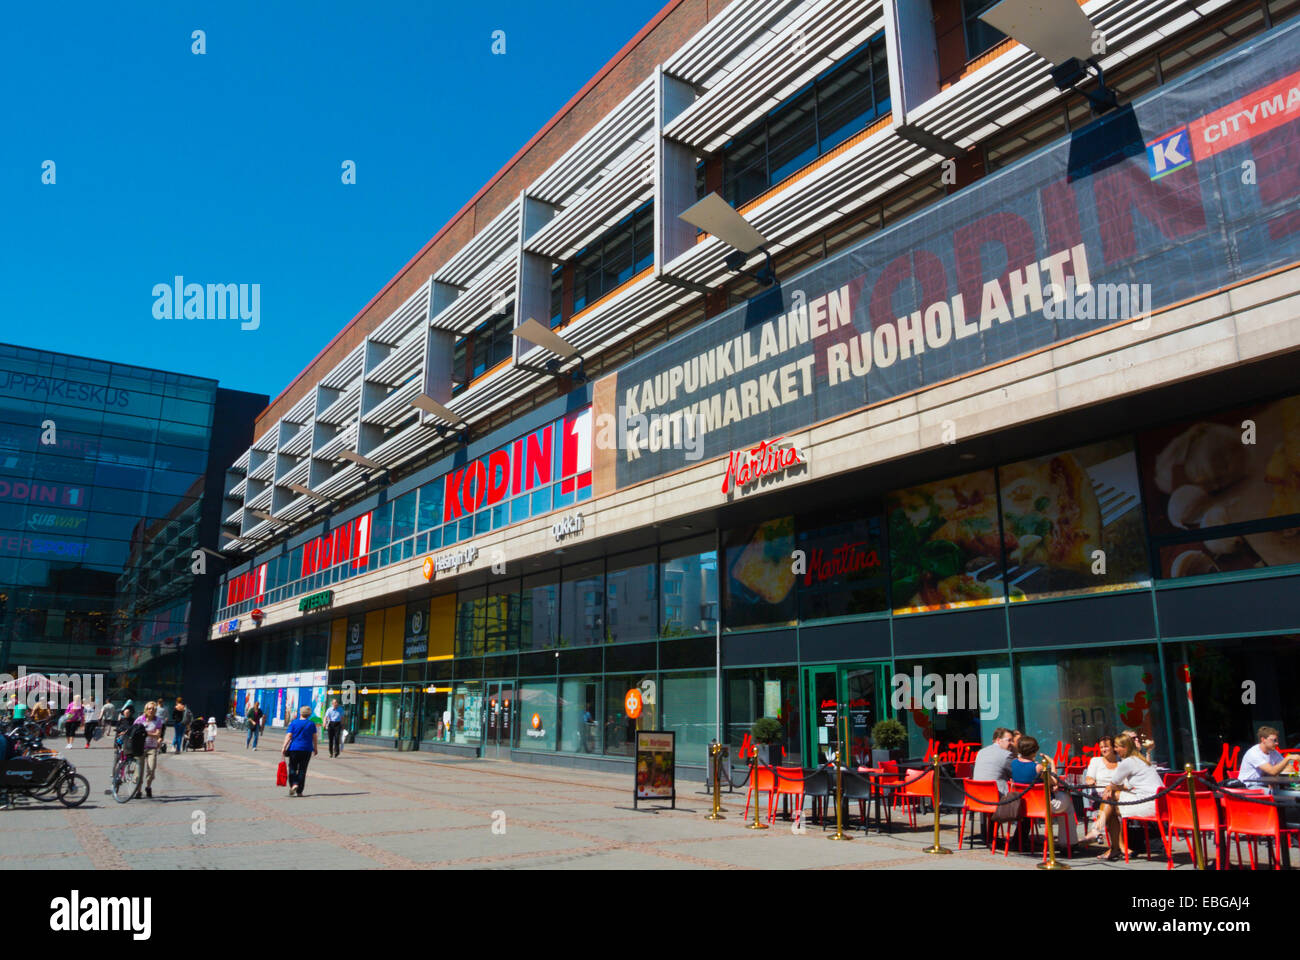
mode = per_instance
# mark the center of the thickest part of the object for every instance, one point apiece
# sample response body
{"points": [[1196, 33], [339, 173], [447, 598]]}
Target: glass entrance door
{"points": [[408, 719], [854, 690], [498, 727]]}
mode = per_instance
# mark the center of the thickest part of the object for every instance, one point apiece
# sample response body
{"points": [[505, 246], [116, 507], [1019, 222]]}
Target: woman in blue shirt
{"points": [[299, 747]]}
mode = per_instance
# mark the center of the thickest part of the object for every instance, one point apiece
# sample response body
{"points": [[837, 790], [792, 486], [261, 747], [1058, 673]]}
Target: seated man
{"points": [[1263, 759], [994, 761]]}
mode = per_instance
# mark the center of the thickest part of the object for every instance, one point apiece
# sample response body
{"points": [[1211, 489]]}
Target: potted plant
{"points": [[889, 737], [767, 733]]}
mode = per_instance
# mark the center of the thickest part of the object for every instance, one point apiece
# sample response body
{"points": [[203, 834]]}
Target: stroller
{"points": [[194, 735]]}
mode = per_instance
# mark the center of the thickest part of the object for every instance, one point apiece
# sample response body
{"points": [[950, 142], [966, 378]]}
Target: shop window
{"points": [[540, 611], [843, 560], [631, 605], [470, 616], [467, 712], [760, 578], [579, 709], [501, 617], [582, 605], [620, 728], [688, 580], [436, 714], [690, 711], [538, 717], [764, 692], [957, 704], [1227, 721], [836, 105], [1073, 697]]}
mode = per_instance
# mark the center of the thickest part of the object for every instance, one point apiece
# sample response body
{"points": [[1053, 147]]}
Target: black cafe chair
{"points": [[818, 786]]}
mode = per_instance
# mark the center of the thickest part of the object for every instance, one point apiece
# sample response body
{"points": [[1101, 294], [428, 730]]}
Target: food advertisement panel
{"points": [[1223, 490], [945, 544], [655, 766], [1073, 521], [760, 574]]}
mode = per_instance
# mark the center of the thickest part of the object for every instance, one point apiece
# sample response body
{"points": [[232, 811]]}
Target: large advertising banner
{"points": [[1189, 190]]}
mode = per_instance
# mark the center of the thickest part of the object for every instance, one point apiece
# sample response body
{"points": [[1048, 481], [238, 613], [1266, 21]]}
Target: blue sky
{"points": [[226, 167]]}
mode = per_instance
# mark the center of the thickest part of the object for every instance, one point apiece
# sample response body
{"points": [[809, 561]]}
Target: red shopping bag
{"points": [[282, 774]]}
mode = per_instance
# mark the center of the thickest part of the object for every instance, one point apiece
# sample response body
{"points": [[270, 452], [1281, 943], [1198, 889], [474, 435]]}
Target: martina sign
{"points": [[1081, 236]]}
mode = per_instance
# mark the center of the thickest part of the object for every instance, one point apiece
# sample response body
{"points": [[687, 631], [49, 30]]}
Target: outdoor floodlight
{"points": [[1061, 33], [363, 461], [430, 405], [530, 331], [306, 492], [263, 515], [715, 216]]}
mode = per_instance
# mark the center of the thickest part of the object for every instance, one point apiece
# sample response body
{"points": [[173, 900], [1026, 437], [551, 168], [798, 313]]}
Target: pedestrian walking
{"points": [[155, 732], [92, 716], [73, 715], [300, 745], [210, 734], [334, 727], [97, 718], [181, 718], [254, 718]]}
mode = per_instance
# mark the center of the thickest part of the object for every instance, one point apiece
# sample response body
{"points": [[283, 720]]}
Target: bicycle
{"points": [[126, 773], [235, 723]]}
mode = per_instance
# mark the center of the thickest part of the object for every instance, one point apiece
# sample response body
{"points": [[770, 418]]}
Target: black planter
{"points": [[769, 754]]}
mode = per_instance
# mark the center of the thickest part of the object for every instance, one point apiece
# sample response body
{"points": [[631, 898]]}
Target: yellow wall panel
{"points": [[372, 652], [394, 633], [338, 642], [442, 626]]}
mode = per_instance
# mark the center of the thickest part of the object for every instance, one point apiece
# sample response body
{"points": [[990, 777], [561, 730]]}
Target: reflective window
{"points": [[630, 609], [582, 607], [688, 580]]}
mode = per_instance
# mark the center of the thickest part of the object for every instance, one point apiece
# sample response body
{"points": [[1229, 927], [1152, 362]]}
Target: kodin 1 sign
{"points": [[766, 459]]}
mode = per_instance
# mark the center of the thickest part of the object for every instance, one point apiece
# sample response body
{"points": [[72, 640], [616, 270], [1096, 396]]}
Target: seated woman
{"points": [[1100, 773], [1134, 778], [1024, 770]]}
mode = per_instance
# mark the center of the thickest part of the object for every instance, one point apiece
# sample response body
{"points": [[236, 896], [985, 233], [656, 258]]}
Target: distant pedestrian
{"points": [[181, 718], [73, 715], [254, 719], [155, 733], [299, 747], [41, 713], [17, 708], [334, 727], [97, 717], [210, 734]]}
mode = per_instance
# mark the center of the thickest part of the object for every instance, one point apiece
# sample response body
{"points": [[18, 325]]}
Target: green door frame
{"points": [[813, 706]]}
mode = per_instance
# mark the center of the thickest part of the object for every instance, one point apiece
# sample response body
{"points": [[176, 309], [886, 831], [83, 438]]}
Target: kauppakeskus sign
{"points": [[1189, 190]]}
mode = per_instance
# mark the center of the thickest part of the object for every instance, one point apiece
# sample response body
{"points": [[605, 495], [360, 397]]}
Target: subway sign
{"points": [[316, 601], [1190, 190]]}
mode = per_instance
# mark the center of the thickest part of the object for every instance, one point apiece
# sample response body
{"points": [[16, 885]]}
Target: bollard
{"points": [[1049, 833], [937, 848], [839, 833], [753, 784], [1196, 820], [715, 754]]}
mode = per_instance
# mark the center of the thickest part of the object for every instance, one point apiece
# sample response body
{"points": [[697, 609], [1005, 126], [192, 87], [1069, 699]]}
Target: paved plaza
{"points": [[374, 807]]}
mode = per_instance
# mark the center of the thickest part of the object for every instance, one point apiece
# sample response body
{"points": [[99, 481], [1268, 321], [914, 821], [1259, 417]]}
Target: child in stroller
{"points": [[194, 736]]}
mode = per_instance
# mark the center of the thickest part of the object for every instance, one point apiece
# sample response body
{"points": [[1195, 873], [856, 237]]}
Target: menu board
{"points": [[655, 766], [1223, 491]]}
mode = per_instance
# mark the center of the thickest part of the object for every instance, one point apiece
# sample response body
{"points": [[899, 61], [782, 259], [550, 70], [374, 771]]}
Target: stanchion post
{"points": [[937, 848], [1196, 820], [753, 789], [839, 833], [715, 755], [1049, 837]]}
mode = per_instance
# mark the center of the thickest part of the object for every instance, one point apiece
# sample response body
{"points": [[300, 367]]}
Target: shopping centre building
{"points": [[110, 478], [1020, 413]]}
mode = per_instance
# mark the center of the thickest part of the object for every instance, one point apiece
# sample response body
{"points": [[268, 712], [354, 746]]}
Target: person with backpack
{"points": [[254, 718]]}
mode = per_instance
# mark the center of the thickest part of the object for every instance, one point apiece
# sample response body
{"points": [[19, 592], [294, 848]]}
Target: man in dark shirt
{"points": [[254, 718]]}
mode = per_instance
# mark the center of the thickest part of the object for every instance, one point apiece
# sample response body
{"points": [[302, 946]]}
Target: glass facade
{"points": [[102, 481]]}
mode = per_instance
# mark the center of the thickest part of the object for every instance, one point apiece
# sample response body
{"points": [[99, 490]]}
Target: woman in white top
{"points": [[1100, 773], [1133, 779]]}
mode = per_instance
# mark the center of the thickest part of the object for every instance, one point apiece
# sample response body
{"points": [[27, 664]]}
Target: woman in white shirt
{"points": [[1100, 773], [1132, 779]]}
